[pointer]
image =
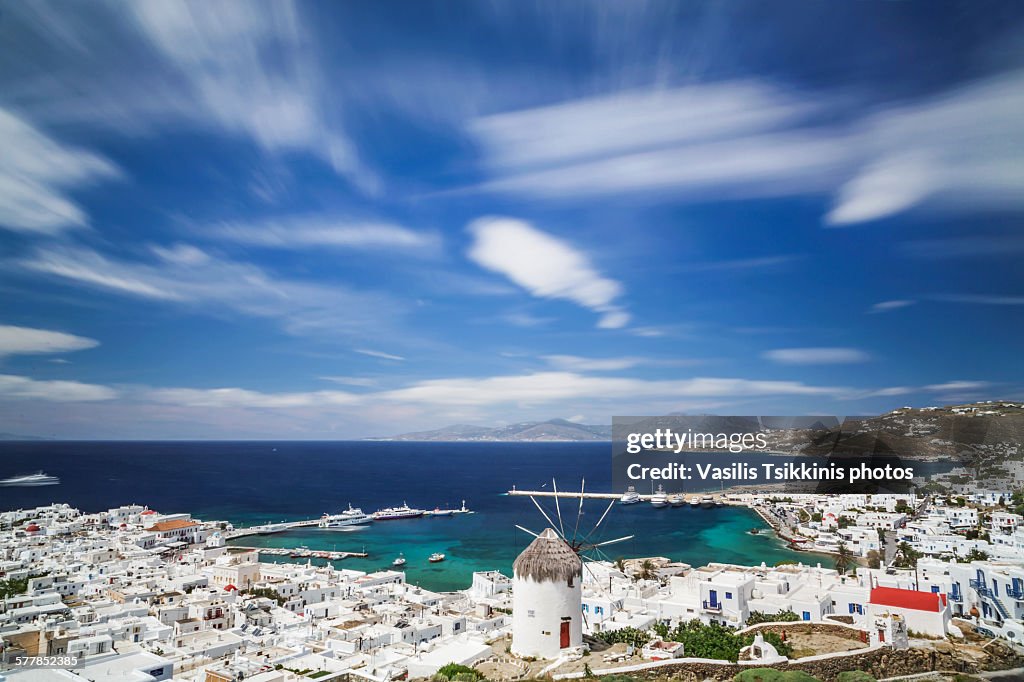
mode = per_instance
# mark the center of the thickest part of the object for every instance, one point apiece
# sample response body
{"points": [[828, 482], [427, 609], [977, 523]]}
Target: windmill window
{"points": [[570, 581]]}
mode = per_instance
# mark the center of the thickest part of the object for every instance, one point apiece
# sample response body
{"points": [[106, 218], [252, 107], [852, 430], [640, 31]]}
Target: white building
{"points": [[547, 598]]}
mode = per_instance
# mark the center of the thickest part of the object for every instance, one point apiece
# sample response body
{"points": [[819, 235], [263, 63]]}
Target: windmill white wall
{"points": [[547, 593]]}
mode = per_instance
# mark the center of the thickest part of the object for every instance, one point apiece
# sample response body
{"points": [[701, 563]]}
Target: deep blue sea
{"points": [[256, 482]]}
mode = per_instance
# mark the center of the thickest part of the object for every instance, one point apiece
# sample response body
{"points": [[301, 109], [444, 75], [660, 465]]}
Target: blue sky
{"points": [[332, 220]]}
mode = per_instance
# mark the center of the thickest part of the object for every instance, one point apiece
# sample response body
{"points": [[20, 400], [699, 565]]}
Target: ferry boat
{"points": [[400, 561], [676, 500], [30, 480], [436, 557], [631, 496], [403, 512], [353, 516], [659, 499]]}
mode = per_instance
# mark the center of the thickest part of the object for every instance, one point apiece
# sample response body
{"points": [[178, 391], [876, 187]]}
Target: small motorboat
{"points": [[436, 557], [400, 561], [440, 512]]}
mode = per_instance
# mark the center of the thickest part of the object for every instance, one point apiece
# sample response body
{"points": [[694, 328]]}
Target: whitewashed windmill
{"points": [[547, 591]]}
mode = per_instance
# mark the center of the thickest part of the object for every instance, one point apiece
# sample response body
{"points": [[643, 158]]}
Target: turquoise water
{"points": [[250, 483], [485, 541]]}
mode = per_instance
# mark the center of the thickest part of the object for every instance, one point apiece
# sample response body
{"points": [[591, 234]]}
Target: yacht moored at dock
{"points": [[694, 501], [676, 500], [707, 502], [659, 498], [394, 513], [631, 496], [353, 516]]}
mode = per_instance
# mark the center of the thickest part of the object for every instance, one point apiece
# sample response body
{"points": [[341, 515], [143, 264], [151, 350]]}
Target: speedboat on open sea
{"points": [[30, 480]]}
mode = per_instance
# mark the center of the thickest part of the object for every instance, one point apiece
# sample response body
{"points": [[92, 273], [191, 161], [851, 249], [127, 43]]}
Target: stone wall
{"points": [[880, 663], [835, 629]]}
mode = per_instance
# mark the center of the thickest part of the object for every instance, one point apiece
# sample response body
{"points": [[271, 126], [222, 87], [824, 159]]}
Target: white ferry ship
{"points": [[403, 512], [353, 516], [30, 480]]}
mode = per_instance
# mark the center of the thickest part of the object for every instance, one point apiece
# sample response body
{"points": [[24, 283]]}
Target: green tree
{"points": [[454, 671], [844, 557], [906, 556], [976, 555]]}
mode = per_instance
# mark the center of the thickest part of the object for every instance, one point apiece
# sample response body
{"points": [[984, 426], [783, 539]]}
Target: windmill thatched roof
{"points": [[548, 558]]}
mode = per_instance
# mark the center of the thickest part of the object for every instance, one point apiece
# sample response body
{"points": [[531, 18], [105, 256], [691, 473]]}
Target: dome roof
{"points": [[548, 558], [230, 588], [32, 528]]}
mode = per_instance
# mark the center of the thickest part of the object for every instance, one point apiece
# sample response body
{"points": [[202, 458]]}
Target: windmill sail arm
{"points": [[622, 539]]}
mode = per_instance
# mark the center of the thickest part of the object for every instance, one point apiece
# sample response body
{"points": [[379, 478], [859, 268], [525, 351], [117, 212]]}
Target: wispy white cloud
{"points": [[575, 363], [976, 246], [742, 264], [251, 72], [949, 150], [887, 306], [546, 266], [187, 276], [36, 174], [26, 388], [816, 356], [365, 382], [959, 385], [26, 340], [299, 232], [737, 140], [981, 299], [239, 397], [378, 354], [549, 387]]}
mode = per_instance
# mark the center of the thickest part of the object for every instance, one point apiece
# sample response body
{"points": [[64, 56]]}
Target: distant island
{"points": [[523, 432], [989, 431]]}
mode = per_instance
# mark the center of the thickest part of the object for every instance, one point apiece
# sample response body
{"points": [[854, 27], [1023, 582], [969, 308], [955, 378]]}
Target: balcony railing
{"points": [[713, 606]]}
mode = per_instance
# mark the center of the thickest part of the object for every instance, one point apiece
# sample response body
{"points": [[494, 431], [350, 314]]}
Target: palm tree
{"points": [[844, 557], [908, 554], [647, 570]]}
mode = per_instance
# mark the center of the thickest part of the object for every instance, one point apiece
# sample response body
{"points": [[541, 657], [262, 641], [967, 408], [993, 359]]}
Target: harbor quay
{"points": [[898, 584]]}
